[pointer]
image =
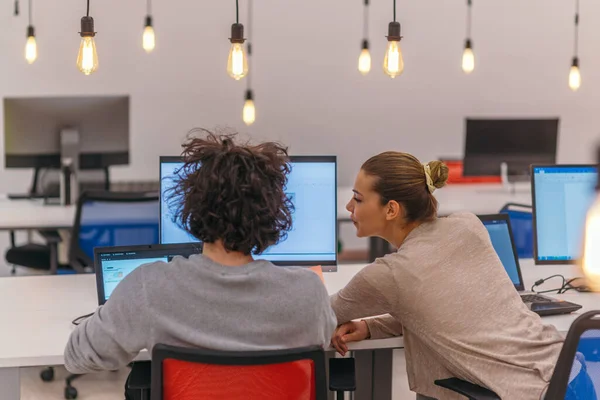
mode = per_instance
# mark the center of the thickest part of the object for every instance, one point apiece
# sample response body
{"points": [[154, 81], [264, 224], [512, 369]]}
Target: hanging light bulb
{"points": [[237, 63], [468, 58], [87, 59], [148, 39], [364, 60], [30, 46], [590, 262], [574, 75], [393, 64], [249, 112]]}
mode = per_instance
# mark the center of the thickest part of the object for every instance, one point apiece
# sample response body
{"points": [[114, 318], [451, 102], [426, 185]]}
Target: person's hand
{"points": [[353, 331]]}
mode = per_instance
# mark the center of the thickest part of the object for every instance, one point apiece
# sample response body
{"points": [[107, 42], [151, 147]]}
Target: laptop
{"points": [[312, 188], [113, 264], [499, 229]]}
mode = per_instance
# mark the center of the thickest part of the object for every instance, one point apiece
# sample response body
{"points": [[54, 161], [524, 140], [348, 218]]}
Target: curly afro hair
{"points": [[232, 192]]}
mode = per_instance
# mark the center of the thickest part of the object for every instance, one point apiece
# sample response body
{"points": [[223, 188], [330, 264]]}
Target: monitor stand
{"points": [[510, 183], [69, 161]]}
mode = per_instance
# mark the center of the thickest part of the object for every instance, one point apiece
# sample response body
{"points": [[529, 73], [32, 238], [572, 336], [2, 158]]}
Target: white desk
{"points": [[33, 214], [478, 199], [475, 198], [37, 311]]}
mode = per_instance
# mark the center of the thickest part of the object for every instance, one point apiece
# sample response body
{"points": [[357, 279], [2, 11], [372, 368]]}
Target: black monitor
{"points": [[516, 142]]}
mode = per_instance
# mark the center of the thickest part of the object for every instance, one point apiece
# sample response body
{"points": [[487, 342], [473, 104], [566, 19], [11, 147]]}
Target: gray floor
{"points": [[100, 386]]}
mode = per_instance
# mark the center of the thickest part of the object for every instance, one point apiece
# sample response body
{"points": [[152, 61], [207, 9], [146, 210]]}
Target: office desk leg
{"points": [[383, 365], [10, 383], [374, 374]]}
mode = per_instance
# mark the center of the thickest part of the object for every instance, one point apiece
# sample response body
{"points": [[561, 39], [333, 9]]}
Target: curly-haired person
{"points": [[231, 197]]}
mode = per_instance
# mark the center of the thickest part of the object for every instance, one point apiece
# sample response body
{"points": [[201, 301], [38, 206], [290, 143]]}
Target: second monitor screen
{"points": [[312, 189]]}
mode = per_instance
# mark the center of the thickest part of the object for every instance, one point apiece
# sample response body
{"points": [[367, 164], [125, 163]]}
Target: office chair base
{"points": [[70, 393], [47, 375]]}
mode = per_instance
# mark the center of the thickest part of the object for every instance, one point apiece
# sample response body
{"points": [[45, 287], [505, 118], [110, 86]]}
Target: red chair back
{"points": [[187, 374]]}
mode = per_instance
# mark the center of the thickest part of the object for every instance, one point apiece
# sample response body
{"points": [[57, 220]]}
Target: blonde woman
{"points": [[445, 289]]}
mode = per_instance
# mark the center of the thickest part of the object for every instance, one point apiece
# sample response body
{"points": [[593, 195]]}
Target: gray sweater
{"points": [[196, 302]]}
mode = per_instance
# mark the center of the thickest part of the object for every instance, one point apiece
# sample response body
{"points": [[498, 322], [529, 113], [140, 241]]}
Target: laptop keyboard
{"points": [[534, 298]]}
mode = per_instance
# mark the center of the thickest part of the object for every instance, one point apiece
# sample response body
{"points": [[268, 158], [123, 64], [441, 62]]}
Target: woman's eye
{"points": [[357, 200]]}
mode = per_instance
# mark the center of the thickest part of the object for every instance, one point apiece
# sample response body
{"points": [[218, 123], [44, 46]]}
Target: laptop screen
{"points": [[312, 186], [113, 264], [499, 230], [561, 197]]}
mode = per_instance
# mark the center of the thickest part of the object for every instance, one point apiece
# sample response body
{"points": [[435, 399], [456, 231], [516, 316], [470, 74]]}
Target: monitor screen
{"points": [[500, 235], [516, 142], [561, 197], [113, 264], [312, 187]]}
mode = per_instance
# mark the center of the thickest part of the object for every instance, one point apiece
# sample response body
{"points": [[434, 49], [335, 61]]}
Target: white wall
{"points": [[308, 91]]}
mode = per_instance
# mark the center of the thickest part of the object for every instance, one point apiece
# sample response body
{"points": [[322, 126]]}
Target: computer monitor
{"points": [[498, 227], [562, 194], [113, 264], [517, 142], [33, 128], [72, 134], [312, 186]]}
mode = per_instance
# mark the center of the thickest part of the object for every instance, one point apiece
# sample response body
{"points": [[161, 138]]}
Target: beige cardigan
{"points": [[447, 292]]}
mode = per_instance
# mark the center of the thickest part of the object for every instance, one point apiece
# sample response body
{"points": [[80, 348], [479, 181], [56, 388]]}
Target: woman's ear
{"points": [[393, 210]]}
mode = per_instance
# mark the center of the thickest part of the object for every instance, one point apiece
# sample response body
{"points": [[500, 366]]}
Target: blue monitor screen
{"points": [[312, 188], [500, 236], [563, 195]]}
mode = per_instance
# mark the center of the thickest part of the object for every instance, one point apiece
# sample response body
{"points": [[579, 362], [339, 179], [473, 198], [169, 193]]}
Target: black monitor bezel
{"points": [[505, 217], [192, 247], [327, 265]]}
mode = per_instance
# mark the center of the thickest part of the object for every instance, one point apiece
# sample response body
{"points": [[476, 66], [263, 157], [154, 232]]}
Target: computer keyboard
{"points": [[534, 298]]}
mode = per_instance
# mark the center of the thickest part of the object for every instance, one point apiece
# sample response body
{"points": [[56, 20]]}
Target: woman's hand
{"points": [[353, 331]]}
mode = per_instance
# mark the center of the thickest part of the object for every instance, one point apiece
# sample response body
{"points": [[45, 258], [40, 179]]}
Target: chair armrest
{"points": [[51, 236], [342, 375], [471, 391], [140, 377]]}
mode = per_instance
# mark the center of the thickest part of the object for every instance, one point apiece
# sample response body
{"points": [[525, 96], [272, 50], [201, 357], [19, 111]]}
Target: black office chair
{"points": [[581, 346], [108, 219], [45, 184]]}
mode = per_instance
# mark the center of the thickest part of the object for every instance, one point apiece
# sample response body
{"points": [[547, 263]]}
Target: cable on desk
{"points": [[79, 320], [566, 285]]}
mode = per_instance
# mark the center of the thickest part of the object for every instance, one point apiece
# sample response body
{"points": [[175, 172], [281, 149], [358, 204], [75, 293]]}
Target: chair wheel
{"points": [[47, 375], [70, 393]]}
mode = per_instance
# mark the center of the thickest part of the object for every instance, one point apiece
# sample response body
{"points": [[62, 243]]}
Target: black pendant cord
{"points": [[469, 4], [576, 38], [366, 20], [237, 12], [87, 14], [30, 1], [250, 37], [16, 7], [394, 10], [149, 7]]}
